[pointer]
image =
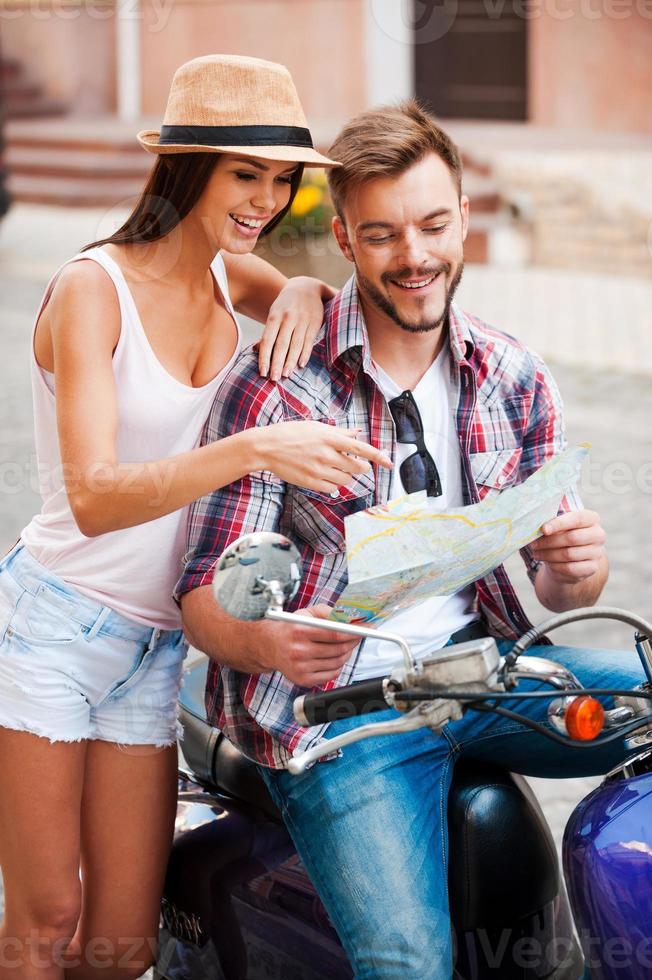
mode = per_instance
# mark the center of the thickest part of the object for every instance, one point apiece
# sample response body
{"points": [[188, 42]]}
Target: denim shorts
{"points": [[72, 669]]}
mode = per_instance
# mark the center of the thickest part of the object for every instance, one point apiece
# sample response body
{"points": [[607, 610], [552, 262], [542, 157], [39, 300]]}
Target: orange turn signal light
{"points": [[584, 718]]}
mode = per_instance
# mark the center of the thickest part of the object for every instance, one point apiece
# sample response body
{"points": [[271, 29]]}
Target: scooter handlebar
{"points": [[342, 702]]}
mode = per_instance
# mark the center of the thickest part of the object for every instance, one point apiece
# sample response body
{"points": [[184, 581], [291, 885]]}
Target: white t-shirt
{"points": [[428, 625]]}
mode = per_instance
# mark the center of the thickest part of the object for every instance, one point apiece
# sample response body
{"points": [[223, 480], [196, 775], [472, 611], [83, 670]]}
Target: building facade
{"points": [[557, 63]]}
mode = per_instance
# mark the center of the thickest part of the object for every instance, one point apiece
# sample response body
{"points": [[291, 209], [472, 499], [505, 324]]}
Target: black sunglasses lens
{"points": [[418, 472], [406, 418]]}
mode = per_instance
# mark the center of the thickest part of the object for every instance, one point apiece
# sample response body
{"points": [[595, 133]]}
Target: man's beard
{"points": [[382, 301]]}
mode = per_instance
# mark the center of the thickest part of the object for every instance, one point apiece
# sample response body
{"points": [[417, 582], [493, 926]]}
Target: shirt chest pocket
{"points": [[499, 425], [319, 518], [496, 470]]}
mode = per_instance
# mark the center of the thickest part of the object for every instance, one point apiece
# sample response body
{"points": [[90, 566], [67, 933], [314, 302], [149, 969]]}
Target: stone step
{"points": [[40, 138], [23, 95], [71, 192], [17, 86], [86, 165], [10, 68], [26, 107], [74, 163]]}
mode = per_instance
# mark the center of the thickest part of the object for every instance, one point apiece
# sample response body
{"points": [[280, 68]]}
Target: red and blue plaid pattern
{"points": [[509, 423]]}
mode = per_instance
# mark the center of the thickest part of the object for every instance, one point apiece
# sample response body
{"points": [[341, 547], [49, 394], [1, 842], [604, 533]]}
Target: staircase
{"points": [[54, 158], [23, 96], [75, 163]]}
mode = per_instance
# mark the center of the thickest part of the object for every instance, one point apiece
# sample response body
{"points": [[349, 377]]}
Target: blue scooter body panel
{"points": [[607, 855]]}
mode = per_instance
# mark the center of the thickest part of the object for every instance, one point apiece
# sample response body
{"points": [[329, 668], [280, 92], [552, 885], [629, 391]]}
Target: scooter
{"points": [[238, 904]]}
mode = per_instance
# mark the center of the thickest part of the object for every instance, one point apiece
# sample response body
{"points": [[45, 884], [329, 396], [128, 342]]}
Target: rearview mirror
{"points": [[259, 571]]}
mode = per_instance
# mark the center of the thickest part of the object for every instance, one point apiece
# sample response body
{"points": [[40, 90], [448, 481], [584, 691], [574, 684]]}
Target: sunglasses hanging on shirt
{"points": [[419, 470]]}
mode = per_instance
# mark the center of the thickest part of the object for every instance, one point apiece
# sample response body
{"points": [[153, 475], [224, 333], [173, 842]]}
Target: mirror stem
{"points": [[276, 612]]}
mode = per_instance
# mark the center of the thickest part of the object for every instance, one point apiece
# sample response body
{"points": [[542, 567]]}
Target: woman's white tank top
{"points": [[134, 570]]}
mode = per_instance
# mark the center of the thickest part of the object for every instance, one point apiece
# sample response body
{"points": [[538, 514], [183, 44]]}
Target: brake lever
{"points": [[537, 668], [414, 719]]}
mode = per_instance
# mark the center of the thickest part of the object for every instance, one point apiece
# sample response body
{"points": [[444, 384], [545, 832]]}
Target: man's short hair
{"points": [[385, 142]]}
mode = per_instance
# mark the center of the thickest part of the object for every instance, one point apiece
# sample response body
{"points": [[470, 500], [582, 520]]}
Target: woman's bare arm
{"points": [[292, 310], [106, 495]]}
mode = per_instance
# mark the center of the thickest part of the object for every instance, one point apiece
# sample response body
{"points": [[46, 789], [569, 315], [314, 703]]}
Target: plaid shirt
{"points": [[509, 422]]}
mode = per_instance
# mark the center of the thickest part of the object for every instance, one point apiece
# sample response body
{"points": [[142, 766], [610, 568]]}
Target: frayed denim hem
{"points": [[159, 743], [40, 733]]}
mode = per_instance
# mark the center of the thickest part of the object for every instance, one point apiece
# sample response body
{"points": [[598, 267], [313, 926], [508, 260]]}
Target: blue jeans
{"points": [[371, 828]]}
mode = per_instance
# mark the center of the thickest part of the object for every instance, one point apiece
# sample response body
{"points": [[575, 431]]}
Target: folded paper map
{"points": [[406, 551]]}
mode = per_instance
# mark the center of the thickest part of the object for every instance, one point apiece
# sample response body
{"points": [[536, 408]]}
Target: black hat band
{"points": [[235, 136]]}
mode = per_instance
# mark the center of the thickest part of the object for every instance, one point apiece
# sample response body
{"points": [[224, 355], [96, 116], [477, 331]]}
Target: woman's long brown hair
{"points": [[173, 188]]}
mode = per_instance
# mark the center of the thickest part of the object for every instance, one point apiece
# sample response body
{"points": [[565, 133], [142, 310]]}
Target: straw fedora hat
{"points": [[229, 104]]}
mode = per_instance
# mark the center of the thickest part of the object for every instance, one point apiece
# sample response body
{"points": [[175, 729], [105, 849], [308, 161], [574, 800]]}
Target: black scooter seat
{"points": [[211, 756], [502, 864]]}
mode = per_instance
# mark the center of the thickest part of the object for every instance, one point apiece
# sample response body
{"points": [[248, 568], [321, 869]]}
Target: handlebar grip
{"points": [[342, 702]]}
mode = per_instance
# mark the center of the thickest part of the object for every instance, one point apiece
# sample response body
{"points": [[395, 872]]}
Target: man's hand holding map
{"points": [[405, 551]]}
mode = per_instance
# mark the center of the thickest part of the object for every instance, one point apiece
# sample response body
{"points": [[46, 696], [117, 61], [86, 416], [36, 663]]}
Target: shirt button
{"points": [[335, 493]]}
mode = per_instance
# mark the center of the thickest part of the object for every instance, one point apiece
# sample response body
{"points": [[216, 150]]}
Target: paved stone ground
{"points": [[559, 314]]}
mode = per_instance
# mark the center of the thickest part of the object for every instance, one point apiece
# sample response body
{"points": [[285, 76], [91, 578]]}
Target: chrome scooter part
{"points": [[255, 572], [644, 647], [413, 719], [642, 626], [549, 672], [278, 615], [626, 708], [260, 572], [635, 708], [463, 663], [472, 666], [542, 669]]}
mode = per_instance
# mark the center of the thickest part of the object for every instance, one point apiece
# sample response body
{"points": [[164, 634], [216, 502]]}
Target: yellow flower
{"points": [[308, 197]]}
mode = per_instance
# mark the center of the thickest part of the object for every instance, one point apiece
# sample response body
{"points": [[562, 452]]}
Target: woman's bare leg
{"points": [[128, 812], [40, 806]]}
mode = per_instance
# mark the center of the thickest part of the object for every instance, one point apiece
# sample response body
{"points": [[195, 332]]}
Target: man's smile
{"points": [[415, 285]]}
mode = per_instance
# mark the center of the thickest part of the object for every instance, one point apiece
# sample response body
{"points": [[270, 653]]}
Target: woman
{"points": [[91, 649]]}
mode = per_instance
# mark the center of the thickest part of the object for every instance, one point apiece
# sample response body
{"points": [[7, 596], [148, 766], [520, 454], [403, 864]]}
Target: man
{"points": [[464, 411]]}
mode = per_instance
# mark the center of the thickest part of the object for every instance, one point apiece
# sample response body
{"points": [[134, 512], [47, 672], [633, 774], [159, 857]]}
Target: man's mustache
{"points": [[407, 274]]}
